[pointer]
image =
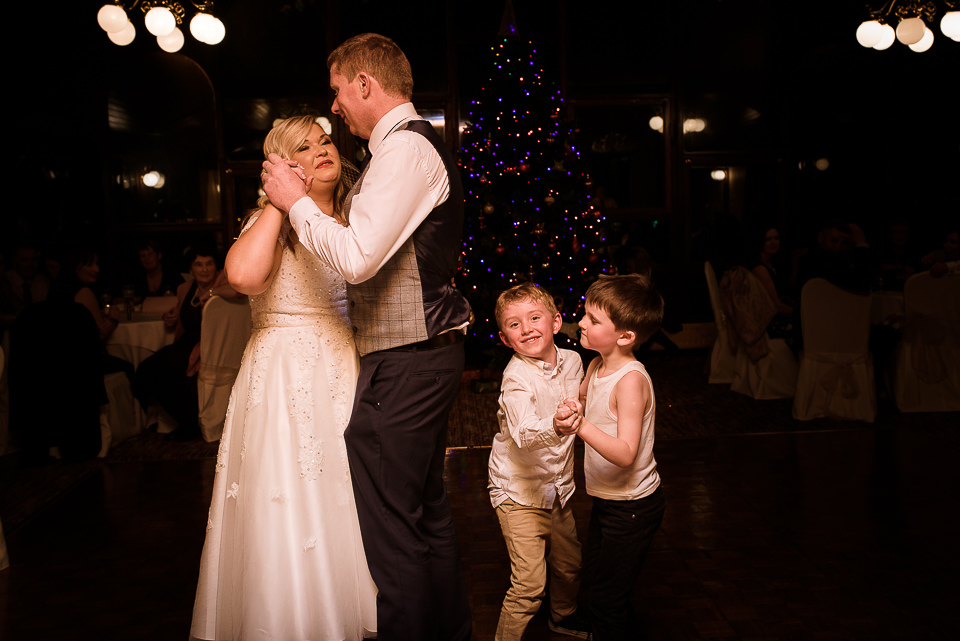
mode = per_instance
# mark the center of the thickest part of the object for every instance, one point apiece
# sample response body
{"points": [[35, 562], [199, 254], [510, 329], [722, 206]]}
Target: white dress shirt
{"points": [[530, 463], [405, 181]]}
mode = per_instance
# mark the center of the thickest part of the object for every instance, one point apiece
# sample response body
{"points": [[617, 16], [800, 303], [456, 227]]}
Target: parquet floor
{"points": [[845, 532]]}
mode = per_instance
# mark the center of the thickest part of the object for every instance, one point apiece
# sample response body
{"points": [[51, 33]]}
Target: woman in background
{"points": [[767, 271], [169, 377]]}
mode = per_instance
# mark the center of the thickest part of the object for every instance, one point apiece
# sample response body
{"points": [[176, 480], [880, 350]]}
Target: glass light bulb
{"points": [[887, 36], [925, 42], [868, 33], [910, 31], [171, 42], [123, 37], [151, 178], [656, 123], [718, 174], [160, 22], [219, 31], [200, 26], [950, 25], [112, 18]]}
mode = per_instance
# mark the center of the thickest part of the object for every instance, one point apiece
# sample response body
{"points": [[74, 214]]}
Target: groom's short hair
{"points": [[380, 57]]}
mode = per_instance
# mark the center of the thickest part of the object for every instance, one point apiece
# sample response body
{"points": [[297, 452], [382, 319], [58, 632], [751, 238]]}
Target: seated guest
{"points": [[156, 278], [842, 256], [77, 282], [948, 252], [22, 283], [897, 257], [951, 268], [57, 352], [767, 269], [169, 377]]}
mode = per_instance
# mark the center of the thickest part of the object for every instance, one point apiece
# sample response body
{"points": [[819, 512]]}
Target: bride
{"points": [[283, 557]]}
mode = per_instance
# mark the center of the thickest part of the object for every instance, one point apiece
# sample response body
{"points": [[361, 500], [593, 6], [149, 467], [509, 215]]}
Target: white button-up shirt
{"points": [[405, 181], [530, 463]]}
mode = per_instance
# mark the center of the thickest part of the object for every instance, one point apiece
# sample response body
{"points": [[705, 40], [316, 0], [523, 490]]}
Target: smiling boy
{"points": [[531, 467]]}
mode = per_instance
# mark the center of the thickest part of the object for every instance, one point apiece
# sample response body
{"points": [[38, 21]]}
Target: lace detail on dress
{"points": [[309, 299]]}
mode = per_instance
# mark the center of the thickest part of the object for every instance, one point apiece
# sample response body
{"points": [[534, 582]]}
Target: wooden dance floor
{"points": [[828, 531]]}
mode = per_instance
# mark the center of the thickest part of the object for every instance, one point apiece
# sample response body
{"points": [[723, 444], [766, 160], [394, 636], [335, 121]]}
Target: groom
{"points": [[399, 254]]}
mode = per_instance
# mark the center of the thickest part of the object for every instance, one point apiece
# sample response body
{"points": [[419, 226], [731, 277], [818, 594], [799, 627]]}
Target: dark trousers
{"points": [[617, 543], [396, 442], [163, 378]]}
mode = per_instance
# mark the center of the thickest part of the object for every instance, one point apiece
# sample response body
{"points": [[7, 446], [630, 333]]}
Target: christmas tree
{"points": [[529, 215]]}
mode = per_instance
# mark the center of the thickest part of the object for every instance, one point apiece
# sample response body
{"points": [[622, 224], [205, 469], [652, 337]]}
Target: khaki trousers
{"points": [[537, 539]]}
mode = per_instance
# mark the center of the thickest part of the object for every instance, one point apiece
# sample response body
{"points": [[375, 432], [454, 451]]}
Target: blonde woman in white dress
{"points": [[283, 557]]}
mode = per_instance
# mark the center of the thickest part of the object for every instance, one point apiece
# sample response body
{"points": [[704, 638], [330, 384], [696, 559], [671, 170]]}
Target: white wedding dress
{"points": [[283, 559]]}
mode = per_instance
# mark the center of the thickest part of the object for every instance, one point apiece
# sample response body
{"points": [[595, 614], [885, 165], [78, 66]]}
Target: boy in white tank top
{"points": [[615, 418]]}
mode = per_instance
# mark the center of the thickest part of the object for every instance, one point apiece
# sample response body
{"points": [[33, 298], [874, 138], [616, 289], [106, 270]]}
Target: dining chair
{"points": [[224, 332], [764, 367], [121, 417], [722, 355], [927, 378], [836, 377]]}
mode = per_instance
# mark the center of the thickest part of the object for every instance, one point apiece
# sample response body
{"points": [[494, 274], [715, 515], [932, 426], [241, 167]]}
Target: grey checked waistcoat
{"points": [[412, 297]]}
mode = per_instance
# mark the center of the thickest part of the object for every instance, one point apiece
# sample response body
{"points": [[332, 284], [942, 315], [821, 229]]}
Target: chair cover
{"points": [[764, 367], [722, 356], [836, 376], [121, 417], [928, 358], [223, 336]]}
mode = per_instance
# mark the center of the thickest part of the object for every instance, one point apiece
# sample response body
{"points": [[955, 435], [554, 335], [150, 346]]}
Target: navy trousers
{"points": [[396, 443]]}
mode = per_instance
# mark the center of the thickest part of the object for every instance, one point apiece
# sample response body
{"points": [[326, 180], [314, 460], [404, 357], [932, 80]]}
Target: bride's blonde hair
{"points": [[285, 139]]}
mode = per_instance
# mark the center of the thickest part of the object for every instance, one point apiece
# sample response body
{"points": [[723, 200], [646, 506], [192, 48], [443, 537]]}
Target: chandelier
{"points": [[911, 18], [162, 19]]}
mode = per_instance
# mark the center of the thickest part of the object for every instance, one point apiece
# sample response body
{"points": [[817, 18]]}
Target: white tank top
{"points": [[604, 479]]}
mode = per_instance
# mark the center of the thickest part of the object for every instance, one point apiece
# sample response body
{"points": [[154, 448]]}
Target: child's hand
{"points": [[567, 419], [574, 404]]}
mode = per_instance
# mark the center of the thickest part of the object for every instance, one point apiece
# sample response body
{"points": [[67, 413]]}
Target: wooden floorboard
{"points": [[833, 531]]}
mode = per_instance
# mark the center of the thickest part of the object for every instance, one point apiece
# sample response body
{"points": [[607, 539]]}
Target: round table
{"points": [[136, 339]]}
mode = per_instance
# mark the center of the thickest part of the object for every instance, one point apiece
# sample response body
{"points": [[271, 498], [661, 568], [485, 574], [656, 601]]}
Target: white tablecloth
{"points": [[136, 339]]}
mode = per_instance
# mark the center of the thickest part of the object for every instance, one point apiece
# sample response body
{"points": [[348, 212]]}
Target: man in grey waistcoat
{"points": [[398, 255]]}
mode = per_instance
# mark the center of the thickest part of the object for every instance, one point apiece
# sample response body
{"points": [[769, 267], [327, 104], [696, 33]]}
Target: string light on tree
{"points": [[527, 194]]}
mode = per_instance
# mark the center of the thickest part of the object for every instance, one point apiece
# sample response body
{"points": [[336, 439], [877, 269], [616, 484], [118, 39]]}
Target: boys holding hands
{"points": [[614, 416], [531, 466]]}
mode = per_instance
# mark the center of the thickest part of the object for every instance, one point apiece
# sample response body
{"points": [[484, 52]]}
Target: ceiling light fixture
{"points": [[162, 19], [911, 18]]}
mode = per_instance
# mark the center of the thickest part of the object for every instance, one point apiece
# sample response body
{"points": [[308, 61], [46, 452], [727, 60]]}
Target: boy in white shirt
{"points": [[615, 417], [531, 467]]}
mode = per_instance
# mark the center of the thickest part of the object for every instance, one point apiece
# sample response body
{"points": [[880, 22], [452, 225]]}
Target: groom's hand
{"points": [[284, 182]]}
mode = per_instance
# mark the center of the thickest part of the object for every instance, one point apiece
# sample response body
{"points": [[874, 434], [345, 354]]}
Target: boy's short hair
{"points": [[523, 292], [631, 301]]}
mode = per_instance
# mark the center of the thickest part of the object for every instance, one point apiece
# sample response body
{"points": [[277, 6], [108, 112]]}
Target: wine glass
{"points": [[128, 292]]}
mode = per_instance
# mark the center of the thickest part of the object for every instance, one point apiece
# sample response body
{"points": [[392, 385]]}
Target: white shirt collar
{"points": [[389, 122], [543, 367]]}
